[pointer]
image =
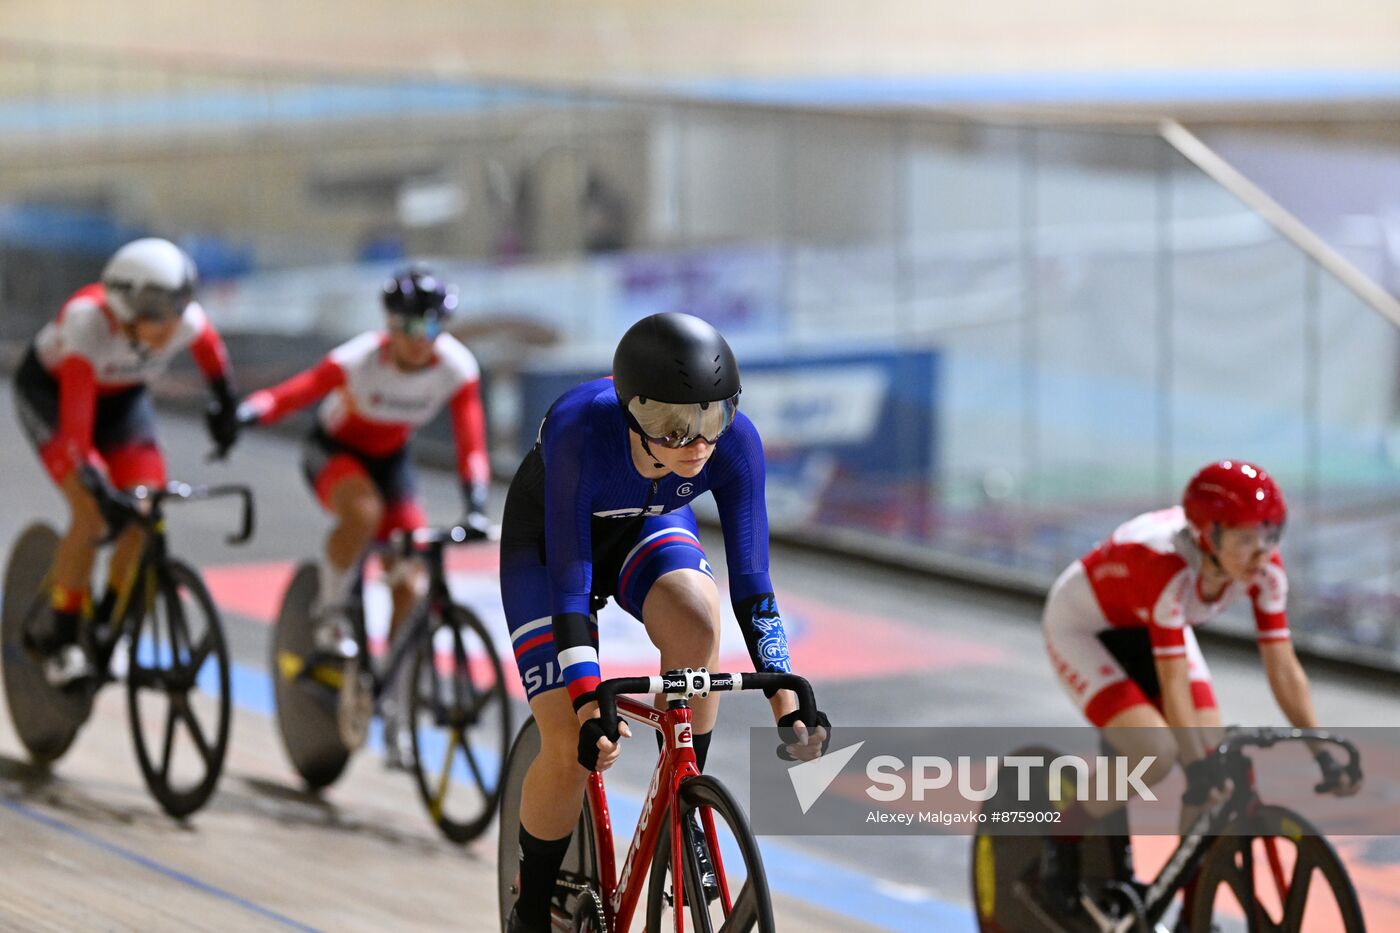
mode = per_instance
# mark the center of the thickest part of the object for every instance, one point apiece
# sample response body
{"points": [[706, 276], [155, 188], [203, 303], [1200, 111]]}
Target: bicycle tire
{"points": [[188, 649], [306, 707], [460, 709], [1224, 862], [580, 864], [46, 719], [752, 905], [523, 752]]}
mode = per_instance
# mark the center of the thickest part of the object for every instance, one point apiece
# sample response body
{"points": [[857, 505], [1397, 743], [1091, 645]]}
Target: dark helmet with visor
{"points": [[418, 302], [677, 379]]}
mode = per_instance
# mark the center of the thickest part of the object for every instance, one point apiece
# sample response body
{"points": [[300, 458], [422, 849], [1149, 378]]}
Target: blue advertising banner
{"points": [[850, 438]]}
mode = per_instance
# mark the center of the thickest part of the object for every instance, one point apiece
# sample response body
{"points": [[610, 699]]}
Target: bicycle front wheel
{"points": [[713, 828], [1278, 873], [178, 693], [579, 877], [460, 718]]}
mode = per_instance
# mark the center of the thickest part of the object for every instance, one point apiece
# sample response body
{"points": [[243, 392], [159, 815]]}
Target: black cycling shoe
{"points": [[515, 925]]}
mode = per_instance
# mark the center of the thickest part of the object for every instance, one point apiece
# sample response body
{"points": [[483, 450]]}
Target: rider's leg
{"points": [[552, 793], [358, 511], [550, 802], [682, 618], [406, 578], [665, 582], [1138, 734], [138, 463], [72, 562]]}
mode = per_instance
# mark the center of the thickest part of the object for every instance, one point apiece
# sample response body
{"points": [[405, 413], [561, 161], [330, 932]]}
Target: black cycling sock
{"points": [[63, 632], [701, 740], [540, 860], [702, 748], [104, 608]]}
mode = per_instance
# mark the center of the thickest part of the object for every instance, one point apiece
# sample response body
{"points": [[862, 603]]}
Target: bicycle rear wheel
{"points": [[579, 872], [46, 718], [460, 718], [1004, 865], [178, 656], [1276, 873], [743, 902], [306, 697]]}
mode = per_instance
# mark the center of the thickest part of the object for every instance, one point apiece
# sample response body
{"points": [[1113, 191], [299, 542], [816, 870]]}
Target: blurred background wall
{"points": [[991, 297], [657, 41]]}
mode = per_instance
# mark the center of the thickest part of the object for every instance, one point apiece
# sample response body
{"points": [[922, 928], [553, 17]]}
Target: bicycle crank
{"points": [[588, 913], [354, 706]]}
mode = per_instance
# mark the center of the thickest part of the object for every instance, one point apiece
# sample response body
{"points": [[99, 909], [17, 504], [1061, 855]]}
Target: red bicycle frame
{"points": [[677, 763]]}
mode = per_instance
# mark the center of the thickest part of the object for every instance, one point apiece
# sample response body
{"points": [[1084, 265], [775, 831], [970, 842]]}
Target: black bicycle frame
{"points": [[1241, 802], [154, 556], [431, 547]]}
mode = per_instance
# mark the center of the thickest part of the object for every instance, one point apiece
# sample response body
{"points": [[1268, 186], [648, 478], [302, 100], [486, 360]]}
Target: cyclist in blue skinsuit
{"points": [[601, 508]]}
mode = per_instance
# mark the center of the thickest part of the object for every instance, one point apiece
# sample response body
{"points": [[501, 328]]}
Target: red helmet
{"points": [[1233, 493]]}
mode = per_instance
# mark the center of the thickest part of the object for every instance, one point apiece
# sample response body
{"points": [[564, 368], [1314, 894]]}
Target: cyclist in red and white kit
{"points": [[375, 391], [81, 394], [1118, 628]]}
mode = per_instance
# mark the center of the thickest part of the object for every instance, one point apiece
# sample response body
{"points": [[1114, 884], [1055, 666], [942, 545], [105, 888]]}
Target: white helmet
{"points": [[149, 279]]}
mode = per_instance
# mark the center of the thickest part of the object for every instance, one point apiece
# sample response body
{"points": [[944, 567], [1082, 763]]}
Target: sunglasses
{"points": [[420, 328], [675, 425]]}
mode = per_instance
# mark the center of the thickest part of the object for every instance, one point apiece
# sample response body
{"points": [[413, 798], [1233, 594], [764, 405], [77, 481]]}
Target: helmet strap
{"points": [[1211, 542], [642, 435], [647, 448]]}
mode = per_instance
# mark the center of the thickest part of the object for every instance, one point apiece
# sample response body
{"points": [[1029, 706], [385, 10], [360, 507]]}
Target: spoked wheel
{"points": [[460, 717], [178, 692], [1280, 875], [46, 718], [306, 690], [578, 895], [1005, 866], [738, 898]]}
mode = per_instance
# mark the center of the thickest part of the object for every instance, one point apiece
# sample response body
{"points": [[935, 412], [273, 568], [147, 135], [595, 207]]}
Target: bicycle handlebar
{"points": [[689, 683], [422, 539], [1236, 740], [184, 492]]}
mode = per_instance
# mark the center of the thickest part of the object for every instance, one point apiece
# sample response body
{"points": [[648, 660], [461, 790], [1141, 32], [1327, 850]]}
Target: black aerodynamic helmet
{"points": [[677, 379], [415, 292]]}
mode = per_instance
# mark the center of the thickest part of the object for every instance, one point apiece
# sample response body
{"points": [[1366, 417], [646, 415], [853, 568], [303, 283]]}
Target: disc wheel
{"points": [[306, 690], [579, 873], [1274, 873], [743, 902], [1004, 865], [178, 693], [46, 718], [460, 715]]}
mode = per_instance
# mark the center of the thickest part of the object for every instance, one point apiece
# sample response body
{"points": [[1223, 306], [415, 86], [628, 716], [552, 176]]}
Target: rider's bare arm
{"points": [[1289, 683], [1174, 677]]}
